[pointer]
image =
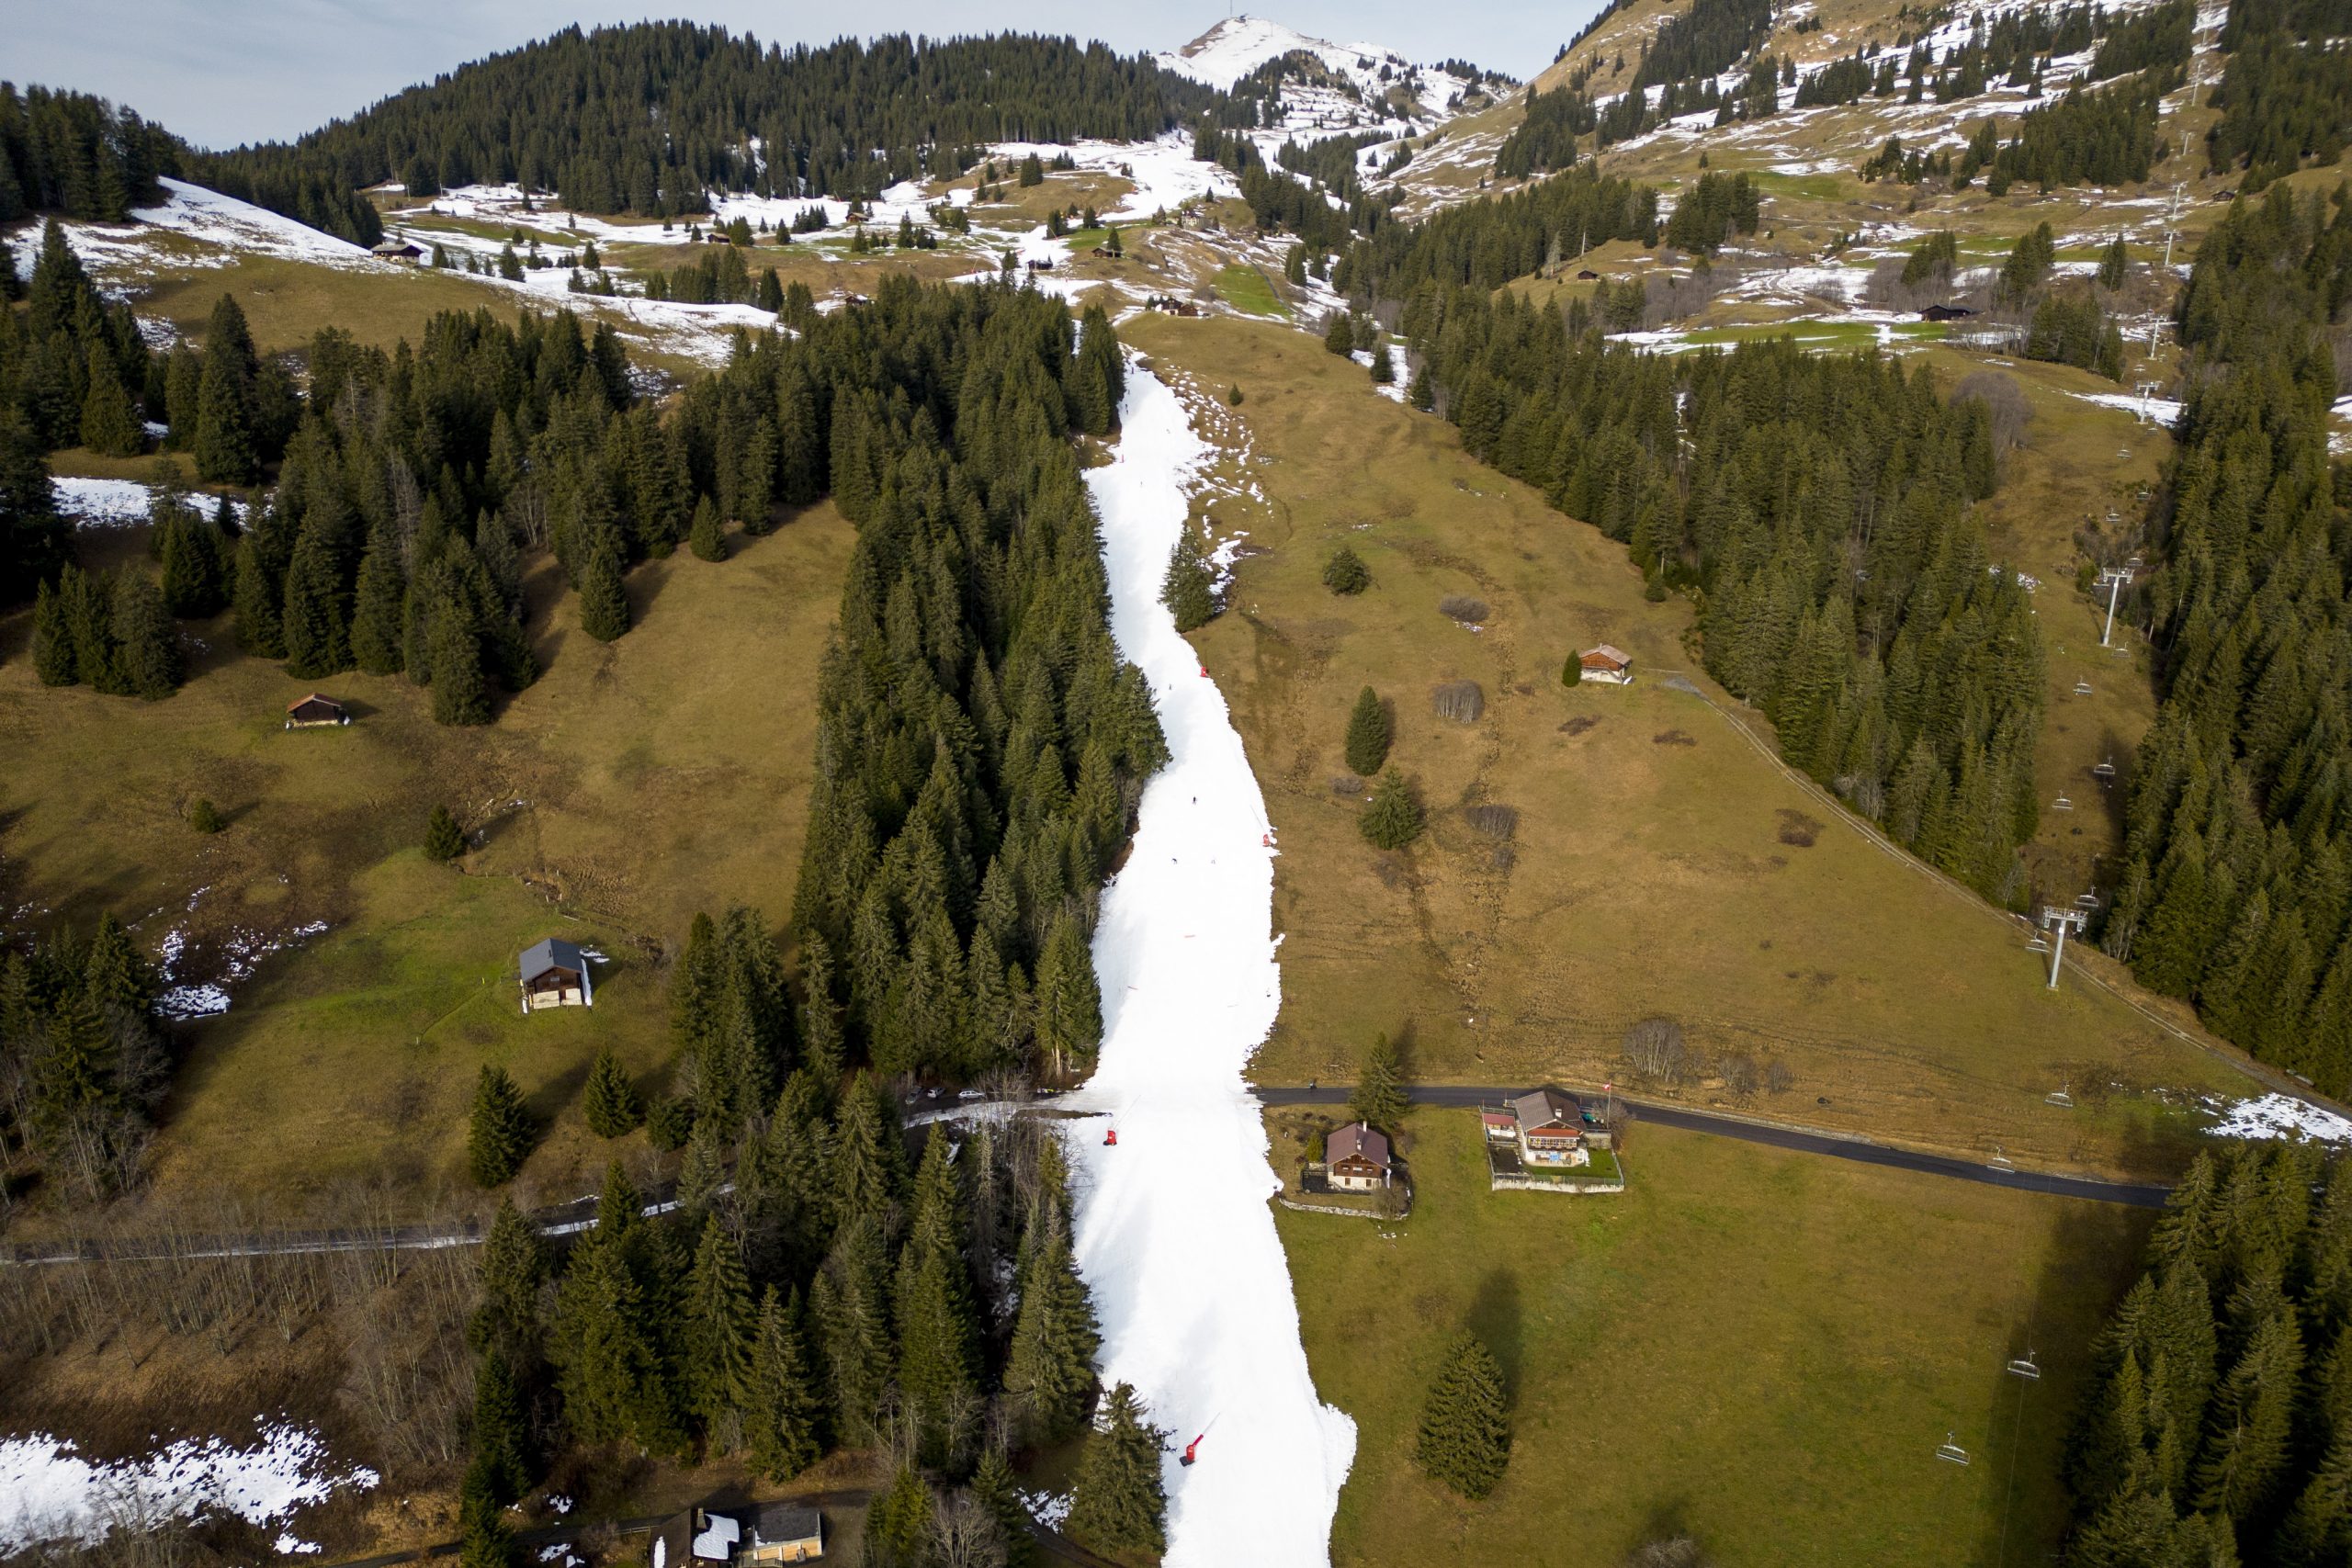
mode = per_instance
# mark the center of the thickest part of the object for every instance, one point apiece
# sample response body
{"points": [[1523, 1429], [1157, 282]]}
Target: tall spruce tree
{"points": [[1379, 1095], [1367, 741], [612, 1106], [1465, 1439], [149, 645], [1049, 1370], [784, 1413], [719, 1337], [499, 1132], [1118, 1506], [1393, 817]]}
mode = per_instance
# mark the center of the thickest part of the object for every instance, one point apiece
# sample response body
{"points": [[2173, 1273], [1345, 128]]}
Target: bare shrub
{"points": [[1506, 857], [1654, 1048], [2004, 400], [1738, 1069], [1347, 783], [1464, 608], [1460, 701], [1797, 829], [1494, 820], [1673, 1551], [1778, 1078]]}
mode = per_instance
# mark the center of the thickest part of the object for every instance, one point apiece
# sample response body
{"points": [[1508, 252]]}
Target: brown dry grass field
{"points": [[632, 786], [1661, 863], [1759, 1349]]}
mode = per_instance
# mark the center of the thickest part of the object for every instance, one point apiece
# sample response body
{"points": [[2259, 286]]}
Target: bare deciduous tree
{"points": [[1654, 1048], [1460, 701]]}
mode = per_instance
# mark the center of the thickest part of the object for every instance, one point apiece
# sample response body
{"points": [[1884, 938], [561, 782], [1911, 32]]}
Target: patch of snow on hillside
{"points": [[1174, 1234], [48, 1493], [240, 226], [2281, 1116], [2158, 411]]}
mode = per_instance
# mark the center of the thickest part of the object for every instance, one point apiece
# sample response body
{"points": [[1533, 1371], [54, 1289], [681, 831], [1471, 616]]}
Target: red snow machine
{"points": [[1110, 1139], [1192, 1449]]}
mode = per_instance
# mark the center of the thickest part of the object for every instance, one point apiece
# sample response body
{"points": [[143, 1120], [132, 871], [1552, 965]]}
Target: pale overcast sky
{"points": [[218, 72]]}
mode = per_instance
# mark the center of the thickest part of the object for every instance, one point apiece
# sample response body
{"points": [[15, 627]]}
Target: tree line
{"points": [[82, 1064], [2235, 891], [648, 118], [2285, 94], [2217, 1428], [78, 155], [1818, 508]]}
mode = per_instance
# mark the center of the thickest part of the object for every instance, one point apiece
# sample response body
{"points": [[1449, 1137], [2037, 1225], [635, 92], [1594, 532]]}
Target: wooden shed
{"points": [[391, 249], [554, 975], [1610, 666], [313, 711]]}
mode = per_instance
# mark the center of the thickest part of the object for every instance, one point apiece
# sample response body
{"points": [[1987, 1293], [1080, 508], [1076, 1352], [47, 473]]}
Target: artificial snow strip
{"points": [[48, 1493], [2281, 1116], [1174, 1233]]}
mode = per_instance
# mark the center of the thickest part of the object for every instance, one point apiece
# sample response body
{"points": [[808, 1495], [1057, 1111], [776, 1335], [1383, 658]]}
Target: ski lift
{"points": [[2103, 770], [1951, 1453], [2087, 900], [2058, 1098], [2001, 1161], [2082, 688], [2037, 945], [2023, 1366], [2061, 804]]}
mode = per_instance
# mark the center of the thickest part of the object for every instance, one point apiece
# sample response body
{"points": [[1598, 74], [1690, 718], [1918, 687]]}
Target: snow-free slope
{"points": [[1174, 1233]]}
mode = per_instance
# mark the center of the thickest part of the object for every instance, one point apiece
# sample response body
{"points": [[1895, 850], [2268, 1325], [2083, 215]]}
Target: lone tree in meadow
{"points": [[1339, 337], [444, 840], [1572, 673], [499, 1134], [1394, 818], [1367, 734], [1345, 572], [614, 1109], [1379, 1095], [1118, 1507], [1465, 1436]]}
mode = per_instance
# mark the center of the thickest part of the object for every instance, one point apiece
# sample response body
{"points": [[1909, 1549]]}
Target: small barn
{"points": [[313, 711], [554, 975], [1355, 1158], [782, 1533], [1946, 313], [1586, 275], [391, 249], [1610, 666]]}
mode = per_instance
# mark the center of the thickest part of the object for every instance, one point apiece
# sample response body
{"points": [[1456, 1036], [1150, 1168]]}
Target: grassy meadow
{"points": [[1759, 1349], [1661, 862], [635, 783]]}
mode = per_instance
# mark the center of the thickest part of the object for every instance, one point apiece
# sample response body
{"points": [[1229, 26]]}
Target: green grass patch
{"points": [[1758, 1347], [1247, 289], [1815, 187]]}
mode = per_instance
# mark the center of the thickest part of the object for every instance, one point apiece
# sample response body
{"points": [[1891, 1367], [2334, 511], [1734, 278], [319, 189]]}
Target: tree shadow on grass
{"points": [[1496, 1318]]}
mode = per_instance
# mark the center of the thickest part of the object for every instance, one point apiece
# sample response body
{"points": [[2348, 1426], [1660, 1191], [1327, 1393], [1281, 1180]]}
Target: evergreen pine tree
{"points": [[1465, 1434], [501, 1433], [1367, 742], [445, 842], [204, 817], [1190, 588], [1068, 1003], [1345, 572], [149, 644], [898, 1523], [614, 1108], [499, 1132], [513, 1273], [257, 598], [53, 652], [380, 607], [616, 1387], [604, 600], [453, 648], [1379, 1095], [224, 436], [109, 425], [784, 1416], [317, 640], [1118, 1506], [719, 1336], [1393, 819], [1049, 1371], [706, 540], [994, 1489], [1339, 337]]}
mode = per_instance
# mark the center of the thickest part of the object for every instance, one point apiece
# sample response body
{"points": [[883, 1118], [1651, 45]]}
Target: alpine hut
{"points": [[1610, 666], [313, 711], [554, 975]]}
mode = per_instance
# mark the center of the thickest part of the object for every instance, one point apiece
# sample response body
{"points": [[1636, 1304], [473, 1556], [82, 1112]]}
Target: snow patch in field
{"points": [[1174, 1234], [2161, 411], [240, 226], [114, 503], [2281, 1116], [48, 1493], [240, 952]]}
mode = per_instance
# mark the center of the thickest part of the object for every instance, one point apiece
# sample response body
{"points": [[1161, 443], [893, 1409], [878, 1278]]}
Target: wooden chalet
{"points": [[314, 712], [1946, 313], [1551, 1127], [554, 974], [391, 249], [1609, 666], [1355, 1158]]}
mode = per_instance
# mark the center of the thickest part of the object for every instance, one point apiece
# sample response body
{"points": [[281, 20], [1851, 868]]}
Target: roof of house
{"points": [[1544, 1107], [1356, 1140], [773, 1522], [551, 953], [715, 1541], [1605, 654], [307, 701]]}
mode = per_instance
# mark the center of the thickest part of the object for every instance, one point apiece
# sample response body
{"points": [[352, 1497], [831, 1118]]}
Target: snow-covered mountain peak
{"points": [[1239, 45], [1351, 86]]}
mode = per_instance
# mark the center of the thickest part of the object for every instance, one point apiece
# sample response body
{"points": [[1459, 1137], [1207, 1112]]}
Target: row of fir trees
{"points": [[1819, 509], [2217, 1427], [83, 1067], [2236, 890]]}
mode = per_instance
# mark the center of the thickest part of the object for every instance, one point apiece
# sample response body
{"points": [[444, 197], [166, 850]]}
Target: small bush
{"points": [[1460, 701], [444, 840], [1347, 783], [1461, 607], [1345, 572], [1233, 395], [1494, 820], [203, 818], [670, 1123]]}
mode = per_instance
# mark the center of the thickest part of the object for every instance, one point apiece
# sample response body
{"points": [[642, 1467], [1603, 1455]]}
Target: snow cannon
{"points": [[1192, 1451], [1110, 1139]]}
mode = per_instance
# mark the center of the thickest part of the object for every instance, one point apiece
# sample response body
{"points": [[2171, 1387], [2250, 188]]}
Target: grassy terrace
{"points": [[1247, 289], [1761, 1348]]}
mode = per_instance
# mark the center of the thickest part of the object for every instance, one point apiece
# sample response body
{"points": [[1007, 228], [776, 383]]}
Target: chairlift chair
{"points": [[1951, 1453], [2061, 804], [2023, 1366], [2082, 688]]}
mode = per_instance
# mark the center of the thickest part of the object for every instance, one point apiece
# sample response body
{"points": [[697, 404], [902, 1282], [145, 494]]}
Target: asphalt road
{"points": [[1860, 1150]]}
